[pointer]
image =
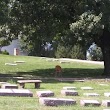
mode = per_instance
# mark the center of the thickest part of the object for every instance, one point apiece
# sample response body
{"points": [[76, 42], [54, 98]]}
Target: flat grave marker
{"points": [[16, 92], [107, 94], [19, 61], [69, 92], [91, 94], [9, 86], [103, 84], [11, 64], [69, 88], [106, 103], [56, 101], [86, 88], [46, 93], [89, 103]]}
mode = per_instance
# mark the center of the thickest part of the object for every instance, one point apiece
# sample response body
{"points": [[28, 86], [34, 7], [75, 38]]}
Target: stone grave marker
{"points": [[86, 88], [69, 88], [16, 92], [91, 94], [106, 103], [56, 101], [9, 86], [103, 84], [45, 93], [107, 94], [69, 92], [89, 103], [11, 64], [19, 61]]}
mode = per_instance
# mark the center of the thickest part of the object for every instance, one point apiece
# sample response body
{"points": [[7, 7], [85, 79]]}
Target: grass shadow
{"points": [[66, 73]]}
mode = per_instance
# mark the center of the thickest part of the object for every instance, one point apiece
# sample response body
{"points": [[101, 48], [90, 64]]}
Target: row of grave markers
{"points": [[14, 63], [45, 97]]}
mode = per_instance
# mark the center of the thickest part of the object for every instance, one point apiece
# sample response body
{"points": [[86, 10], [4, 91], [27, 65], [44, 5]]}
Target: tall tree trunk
{"points": [[106, 57], [105, 46]]}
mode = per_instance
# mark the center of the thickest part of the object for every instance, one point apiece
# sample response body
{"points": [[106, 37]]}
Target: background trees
{"points": [[38, 22], [4, 17], [65, 23]]}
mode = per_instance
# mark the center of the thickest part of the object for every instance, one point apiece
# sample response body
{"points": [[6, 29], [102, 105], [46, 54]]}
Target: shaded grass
{"points": [[32, 103], [35, 66]]}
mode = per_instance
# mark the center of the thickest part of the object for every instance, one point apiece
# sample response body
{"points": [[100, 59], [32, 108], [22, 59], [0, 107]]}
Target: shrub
{"points": [[77, 52], [5, 52], [62, 51]]}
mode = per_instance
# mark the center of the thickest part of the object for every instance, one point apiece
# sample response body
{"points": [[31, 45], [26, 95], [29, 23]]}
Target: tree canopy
{"points": [[72, 22]]}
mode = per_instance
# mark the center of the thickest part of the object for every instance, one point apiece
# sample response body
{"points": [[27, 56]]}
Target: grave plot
{"points": [[45, 93], [56, 101], [16, 92], [69, 88], [106, 103], [9, 86], [89, 103], [103, 84], [86, 88], [11, 64], [106, 109], [91, 94], [107, 94], [19, 61], [69, 92]]}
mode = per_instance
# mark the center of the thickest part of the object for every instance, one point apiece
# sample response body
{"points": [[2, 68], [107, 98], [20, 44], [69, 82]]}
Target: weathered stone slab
{"points": [[106, 103], [89, 103], [22, 92], [9, 86], [69, 88], [103, 84], [11, 64], [45, 93], [91, 94], [55, 59], [56, 101], [19, 61], [69, 92], [106, 109], [86, 88], [16, 92], [4, 83], [107, 94]]}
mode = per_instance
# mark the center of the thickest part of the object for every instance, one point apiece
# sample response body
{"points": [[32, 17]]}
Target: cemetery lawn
{"points": [[38, 68]]}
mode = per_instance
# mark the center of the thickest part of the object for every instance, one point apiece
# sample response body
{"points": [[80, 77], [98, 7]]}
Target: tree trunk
{"points": [[106, 57], [105, 46]]}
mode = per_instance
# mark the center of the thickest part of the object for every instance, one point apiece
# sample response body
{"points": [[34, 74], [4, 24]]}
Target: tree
{"points": [[4, 15], [38, 22], [94, 26]]}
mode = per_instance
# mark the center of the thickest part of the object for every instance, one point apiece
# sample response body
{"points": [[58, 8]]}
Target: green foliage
{"points": [[38, 22], [5, 52], [96, 54], [62, 51], [77, 52]]}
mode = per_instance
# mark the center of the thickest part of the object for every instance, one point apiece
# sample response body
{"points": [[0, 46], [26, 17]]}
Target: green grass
{"points": [[38, 67], [35, 67]]}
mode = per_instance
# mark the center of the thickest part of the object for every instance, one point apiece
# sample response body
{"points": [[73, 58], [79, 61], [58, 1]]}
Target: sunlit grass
{"points": [[35, 67]]}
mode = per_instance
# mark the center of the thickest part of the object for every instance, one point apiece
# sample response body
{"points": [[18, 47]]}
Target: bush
{"points": [[62, 51], [75, 52], [5, 52], [95, 53]]}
